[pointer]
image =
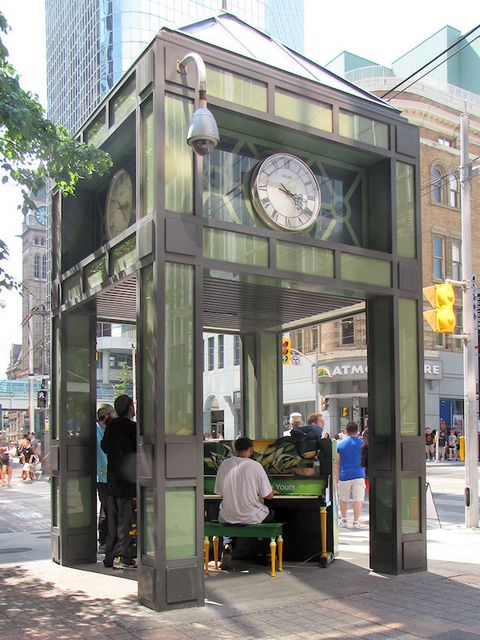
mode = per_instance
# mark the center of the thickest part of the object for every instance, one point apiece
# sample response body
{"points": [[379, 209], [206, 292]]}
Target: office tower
{"points": [[91, 43]]}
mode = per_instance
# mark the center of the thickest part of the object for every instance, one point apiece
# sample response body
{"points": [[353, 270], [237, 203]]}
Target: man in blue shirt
{"points": [[104, 415], [350, 475]]}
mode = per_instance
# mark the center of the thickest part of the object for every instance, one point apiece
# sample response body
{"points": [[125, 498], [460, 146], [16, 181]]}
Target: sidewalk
{"points": [[39, 599]]}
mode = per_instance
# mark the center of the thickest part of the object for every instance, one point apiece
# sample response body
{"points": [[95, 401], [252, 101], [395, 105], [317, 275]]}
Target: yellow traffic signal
{"points": [[442, 317], [286, 350]]}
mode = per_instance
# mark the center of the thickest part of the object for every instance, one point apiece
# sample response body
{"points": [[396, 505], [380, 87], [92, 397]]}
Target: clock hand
{"points": [[283, 188]]}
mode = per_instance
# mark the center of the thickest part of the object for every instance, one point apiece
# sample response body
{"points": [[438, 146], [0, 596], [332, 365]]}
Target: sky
{"points": [[372, 29]]}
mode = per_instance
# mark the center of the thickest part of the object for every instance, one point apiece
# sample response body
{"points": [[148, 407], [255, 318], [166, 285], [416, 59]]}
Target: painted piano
{"points": [[306, 500]]}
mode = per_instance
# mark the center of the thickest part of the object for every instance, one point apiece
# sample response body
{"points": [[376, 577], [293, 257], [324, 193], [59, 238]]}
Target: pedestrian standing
{"points": [[120, 444], [105, 414], [350, 475]]}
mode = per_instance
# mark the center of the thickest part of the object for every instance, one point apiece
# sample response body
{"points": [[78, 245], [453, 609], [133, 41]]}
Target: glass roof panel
{"points": [[228, 32]]}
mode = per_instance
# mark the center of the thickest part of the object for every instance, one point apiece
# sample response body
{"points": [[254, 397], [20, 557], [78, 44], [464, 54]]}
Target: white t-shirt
{"points": [[240, 481]]}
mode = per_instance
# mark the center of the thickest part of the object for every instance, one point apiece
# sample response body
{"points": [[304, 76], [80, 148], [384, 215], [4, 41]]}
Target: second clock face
{"points": [[285, 193], [119, 204]]}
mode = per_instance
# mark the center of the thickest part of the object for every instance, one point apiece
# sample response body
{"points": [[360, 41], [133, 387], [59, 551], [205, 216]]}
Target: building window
{"points": [[36, 266], [44, 266], [438, 186], [315, 341], [453, 191], [236, 350], [297, 341], [445, 142], [458, 321], [221, 356], [36, 240], [211, 353], [348, 331], [439, 339], [456, 259], [438, 257]]}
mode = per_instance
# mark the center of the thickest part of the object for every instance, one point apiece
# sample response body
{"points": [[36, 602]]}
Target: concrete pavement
{"points": [[39, 599]]}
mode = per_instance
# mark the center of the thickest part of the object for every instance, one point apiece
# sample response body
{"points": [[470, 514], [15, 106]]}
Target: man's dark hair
{"points": [[122, 405], [243, 444], [351, 428]]}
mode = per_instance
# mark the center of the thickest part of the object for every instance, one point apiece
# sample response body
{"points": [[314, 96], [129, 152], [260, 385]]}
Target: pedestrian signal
{"points": [[324, 402], [286, 351], [42, 399], [442, 298]]}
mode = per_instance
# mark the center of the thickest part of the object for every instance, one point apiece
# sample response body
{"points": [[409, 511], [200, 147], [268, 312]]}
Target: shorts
{"points": [[4, 459], [356, 487]]}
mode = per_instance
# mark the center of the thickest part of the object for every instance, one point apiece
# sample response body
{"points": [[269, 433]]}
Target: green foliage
{"points": [[124, 382], [32, 148]]}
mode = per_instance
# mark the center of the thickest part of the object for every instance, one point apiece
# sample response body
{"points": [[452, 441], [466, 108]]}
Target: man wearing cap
{"points": [[120, 444], [104, 414]]}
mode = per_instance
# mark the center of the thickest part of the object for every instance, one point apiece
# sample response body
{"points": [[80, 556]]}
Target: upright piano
{"points": [[306, 501]]}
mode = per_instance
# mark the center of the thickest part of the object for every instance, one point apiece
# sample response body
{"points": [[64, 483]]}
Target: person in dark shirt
{"points": [[120, 444], [313, 430]]}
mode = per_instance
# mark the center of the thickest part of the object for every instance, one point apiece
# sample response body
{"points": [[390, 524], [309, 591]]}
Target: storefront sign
{"points": [[358, 370]]}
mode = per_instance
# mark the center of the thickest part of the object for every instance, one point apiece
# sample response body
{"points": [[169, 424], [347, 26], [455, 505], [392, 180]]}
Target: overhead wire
{"points": [[412, 75]]}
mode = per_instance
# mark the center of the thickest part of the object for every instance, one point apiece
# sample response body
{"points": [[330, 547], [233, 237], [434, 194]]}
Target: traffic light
{"points": [[442, 298], [324, 403], [344, 412], [286, 350], [42, 399]]}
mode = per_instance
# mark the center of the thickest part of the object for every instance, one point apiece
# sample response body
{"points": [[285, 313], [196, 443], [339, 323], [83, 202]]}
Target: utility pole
{"points": [[470, 334]]}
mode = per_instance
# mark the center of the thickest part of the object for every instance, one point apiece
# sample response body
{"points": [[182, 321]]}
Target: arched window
{"points": [[453, 191], [36, 266], [44, 266], [438, 185]]}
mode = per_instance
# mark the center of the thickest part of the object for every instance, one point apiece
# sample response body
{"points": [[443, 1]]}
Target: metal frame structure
{"points": [[169, 461]]}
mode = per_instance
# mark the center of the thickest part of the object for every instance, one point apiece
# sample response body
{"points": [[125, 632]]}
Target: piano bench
{"points": [[272, 530]]}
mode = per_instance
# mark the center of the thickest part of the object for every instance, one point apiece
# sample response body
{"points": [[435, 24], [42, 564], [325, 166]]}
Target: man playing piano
{"points": [[240, 482]]}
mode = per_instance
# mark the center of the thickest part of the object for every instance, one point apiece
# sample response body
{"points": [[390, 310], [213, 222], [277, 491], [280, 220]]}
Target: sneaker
{"points": [[226, 561], [101, 548], [356, 525], [343, 523], [118, 563]]}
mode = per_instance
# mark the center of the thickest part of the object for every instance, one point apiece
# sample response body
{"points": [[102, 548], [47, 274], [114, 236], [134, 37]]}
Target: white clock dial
{"points": [[285, 193], [119, 204]]}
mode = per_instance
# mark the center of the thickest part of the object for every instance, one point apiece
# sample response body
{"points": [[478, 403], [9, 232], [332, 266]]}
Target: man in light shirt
{"points": [[241, 481]]}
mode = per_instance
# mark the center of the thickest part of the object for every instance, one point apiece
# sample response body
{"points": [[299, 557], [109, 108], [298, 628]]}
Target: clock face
{"points": [[41, 215], [285, 193], [119, 204]]}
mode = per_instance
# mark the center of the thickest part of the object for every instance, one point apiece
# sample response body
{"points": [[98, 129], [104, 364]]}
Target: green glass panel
{"points": [[179, 349], [124, 101], [268, 380], [77, 413], [56, 243], [72, 288], [410, 488], [363, 129], [408, 352], [238, 89], [302, 259], [148, 522], [96, 132], [250, 384], [235, 247], [79, 502], [380, 362], [147, 157], [56, 511], [384, 505], [180, 538], [95, 273], [405, 211], [123, 255], [366, 270], [178, 155], [299, 109], [149, 350], [57, 386]]}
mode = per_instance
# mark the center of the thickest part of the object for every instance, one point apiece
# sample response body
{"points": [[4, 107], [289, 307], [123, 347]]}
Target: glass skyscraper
{"points": [[91, 43]]}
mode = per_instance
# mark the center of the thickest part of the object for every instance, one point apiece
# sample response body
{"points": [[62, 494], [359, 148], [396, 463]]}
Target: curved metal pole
{"points": [[202, 74]]}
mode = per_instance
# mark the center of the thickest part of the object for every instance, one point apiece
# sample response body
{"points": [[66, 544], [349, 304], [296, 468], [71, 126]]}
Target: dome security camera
{"points": [[203, 134]]}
